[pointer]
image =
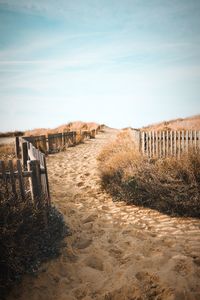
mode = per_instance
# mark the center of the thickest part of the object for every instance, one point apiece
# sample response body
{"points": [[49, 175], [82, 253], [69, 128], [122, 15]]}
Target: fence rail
{"points": [[166, 143]]}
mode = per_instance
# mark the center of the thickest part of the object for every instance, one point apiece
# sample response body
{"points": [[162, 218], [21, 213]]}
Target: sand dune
{"points": [[115, 251]]}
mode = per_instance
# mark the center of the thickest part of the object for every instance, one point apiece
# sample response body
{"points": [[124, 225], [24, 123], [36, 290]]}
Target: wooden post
{"points": [[171, 142], [21, 179], [167, 144], [160, 145], [186, 141], [179, 144], [150, 144], [17, 148], [147, 143], [12, 178], [195, 140], [183, 141], [143, 142], [157, 144], [175, 143], [47, 181], [153, 145], [163, 135], [35, 180], [24, 154]]}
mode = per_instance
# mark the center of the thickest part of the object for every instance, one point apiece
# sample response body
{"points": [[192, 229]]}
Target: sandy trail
{"points": [[116, 251]]}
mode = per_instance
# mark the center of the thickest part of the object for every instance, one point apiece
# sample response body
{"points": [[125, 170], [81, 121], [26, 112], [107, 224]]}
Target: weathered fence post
{"points": [[12, 178], [17, 148], [24, 154], [35, 180], [21, 179]]}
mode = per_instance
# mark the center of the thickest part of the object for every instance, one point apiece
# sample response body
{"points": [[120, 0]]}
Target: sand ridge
{"points": [[115, 251]]}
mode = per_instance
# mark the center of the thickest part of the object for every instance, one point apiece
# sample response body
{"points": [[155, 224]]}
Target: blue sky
{"points": [[123, 63]]}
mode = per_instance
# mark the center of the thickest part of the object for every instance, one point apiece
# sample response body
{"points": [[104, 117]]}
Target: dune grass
{"points": [[29, 235], [169, 185]]}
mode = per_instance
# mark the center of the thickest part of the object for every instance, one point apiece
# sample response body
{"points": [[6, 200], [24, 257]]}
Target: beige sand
{"points": [[115, 251]]}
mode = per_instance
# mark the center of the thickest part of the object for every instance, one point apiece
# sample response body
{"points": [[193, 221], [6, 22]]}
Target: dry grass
{"points": [[72, 126], [191, 123], [169, 185], [29, 235], [11, 133], [7, 151]]}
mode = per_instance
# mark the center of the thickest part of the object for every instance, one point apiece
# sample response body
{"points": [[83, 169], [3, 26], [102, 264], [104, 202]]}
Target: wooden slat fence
{"points": [[32, 166], [168, 143], [59, 141]]}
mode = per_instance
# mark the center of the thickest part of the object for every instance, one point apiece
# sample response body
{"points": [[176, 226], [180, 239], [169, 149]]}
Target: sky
{"points": [[121, 63]]}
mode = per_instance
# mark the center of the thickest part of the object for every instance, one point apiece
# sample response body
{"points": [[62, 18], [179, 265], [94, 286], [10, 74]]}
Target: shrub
{"points": [[29, 235], [169, 185]]}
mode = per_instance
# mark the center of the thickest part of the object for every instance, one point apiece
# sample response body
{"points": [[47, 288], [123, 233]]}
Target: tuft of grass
{"points": [[7, 151], [169, 185]]}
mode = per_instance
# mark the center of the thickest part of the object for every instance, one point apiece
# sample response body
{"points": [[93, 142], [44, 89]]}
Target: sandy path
{"points": [[115, 251]]}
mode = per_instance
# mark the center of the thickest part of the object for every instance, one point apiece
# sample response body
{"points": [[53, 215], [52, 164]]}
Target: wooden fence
{"points": [[58, 141], [168, 143], [32, 166]]}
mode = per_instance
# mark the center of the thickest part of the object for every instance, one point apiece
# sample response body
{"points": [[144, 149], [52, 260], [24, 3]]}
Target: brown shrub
{"points": [[169, 185], [29, 235]]}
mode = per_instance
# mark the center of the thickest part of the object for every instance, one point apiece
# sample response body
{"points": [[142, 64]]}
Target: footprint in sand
{"points": [[82, 243], [94, 262]]}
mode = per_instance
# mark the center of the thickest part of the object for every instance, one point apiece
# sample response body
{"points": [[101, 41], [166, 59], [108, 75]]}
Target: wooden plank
{"points": [[195, 139], [167, 143], [24, 154], [147, 142], [183, 141], [190, 139], [150, 144], [21, 179], [47, 181], [175, 143], [163, 138], [17, 148], [35, 181], [160, 144], [12, 178], [171, 142], [153, 139], [179, 144], [142, 142], [186, 141], [157, 143]]}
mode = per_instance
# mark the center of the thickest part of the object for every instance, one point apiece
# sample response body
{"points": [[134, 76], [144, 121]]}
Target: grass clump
{"points": [[169, 185], [29, 235]]}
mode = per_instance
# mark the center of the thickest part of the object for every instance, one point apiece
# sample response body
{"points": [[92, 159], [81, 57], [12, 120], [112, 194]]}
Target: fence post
{"points": [[21, 179], [17, 149], [47, 181], [35, 180], [12, 178], [24, 154]]}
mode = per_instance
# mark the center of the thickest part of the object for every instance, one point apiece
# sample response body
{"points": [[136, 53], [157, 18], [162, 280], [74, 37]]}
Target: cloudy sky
{"points": [[123, 63]]}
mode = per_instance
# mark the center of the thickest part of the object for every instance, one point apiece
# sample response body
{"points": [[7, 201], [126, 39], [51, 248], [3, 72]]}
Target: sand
{"points": [[115, 251]]}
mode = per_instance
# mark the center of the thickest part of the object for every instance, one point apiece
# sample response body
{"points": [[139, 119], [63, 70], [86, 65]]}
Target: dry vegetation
{"points": [[72, 126], [29, 235], [7, 151], [168, 185], [191, 123]]}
